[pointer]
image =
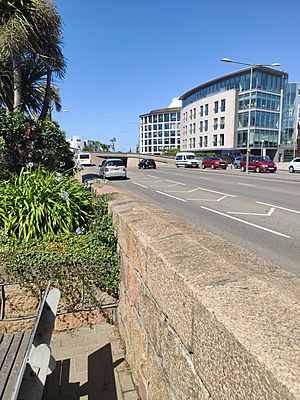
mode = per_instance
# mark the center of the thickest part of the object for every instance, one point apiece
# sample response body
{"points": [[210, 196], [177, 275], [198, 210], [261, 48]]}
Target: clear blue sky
{"points": [[126, 58]]}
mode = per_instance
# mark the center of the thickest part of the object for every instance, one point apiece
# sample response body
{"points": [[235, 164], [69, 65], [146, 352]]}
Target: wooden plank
{"points": [[14, 374], [4, 347], [9, 361]]}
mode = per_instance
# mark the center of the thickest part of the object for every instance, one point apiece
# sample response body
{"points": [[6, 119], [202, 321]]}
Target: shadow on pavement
{"points": [[100, 384]]}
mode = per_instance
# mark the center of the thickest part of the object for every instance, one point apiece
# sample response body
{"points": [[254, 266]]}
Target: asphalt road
{"points": [[258, 212]]}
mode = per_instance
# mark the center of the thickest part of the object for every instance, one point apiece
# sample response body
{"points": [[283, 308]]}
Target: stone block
{"points": [[171, 293], [245, 342], [158, 386], [179, 368], [152, 319]]}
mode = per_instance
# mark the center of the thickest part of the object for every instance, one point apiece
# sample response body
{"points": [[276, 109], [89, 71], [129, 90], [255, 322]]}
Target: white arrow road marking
{"points": [[173, 197], [281, 208], [221, 198], [247, 223], [139, 184], [177, 183], [269, 213], [211, 191]]}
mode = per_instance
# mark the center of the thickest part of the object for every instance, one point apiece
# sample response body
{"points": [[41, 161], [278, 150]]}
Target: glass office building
{"points": [[272, 112], [160, 130]]}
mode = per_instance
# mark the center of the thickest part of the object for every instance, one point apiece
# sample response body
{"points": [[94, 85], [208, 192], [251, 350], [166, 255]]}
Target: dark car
{"points": [[258, 164], [147, 163], [214, 162]]}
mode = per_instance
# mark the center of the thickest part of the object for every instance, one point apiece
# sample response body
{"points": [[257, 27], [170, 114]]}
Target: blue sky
{"points": [[126, 58]]}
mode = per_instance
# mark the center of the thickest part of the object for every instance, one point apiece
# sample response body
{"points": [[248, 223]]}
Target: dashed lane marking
{"points": [[246, 184], [247, 223]]}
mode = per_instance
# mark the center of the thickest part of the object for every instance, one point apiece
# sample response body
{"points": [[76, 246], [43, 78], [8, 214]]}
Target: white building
{"points": [[77, 143]]}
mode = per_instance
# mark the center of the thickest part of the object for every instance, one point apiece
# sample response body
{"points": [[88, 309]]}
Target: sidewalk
{"points": [[90, 365]]}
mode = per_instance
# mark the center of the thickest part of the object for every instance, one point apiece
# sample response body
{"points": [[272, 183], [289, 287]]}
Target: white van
{"points": [[186, 159], [84, 158]]}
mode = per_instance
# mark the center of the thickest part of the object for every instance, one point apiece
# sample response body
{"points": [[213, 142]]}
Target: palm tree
{"points": [[31, 26], [34, 83]]}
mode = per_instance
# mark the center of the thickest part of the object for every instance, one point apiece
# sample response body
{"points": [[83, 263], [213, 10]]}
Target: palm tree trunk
{"points": [[47, 98], [17, 81]]}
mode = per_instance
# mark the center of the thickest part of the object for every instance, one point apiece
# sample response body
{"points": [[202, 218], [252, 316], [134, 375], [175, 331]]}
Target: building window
{"points": [[206, 125], [215, 123], [154, 118], [194, 112], [194, 128], [201, 111], [222, 123], [166, 117], [205, 141], [194, 142], [206, 109], [190, 129], [150, 119], [215, 140], [216, 106], [200, 141], [223, 102], [160, 118], [191, 113], [201, 126], [222, 139]]}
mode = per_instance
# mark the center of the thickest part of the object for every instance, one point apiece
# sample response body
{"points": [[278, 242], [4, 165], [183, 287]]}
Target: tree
{"points": [[28, 140], [31, 26]]}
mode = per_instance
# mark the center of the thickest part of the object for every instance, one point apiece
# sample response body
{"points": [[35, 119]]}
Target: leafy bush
{"points": [[78, 263], [32, 140], [39, 203]]}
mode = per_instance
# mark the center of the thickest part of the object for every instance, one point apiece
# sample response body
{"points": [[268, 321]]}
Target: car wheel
{"points": [[243, 169], [257, 169], [203, 166], [185, 166], [235, 166], [291, 169], [213, 166]]}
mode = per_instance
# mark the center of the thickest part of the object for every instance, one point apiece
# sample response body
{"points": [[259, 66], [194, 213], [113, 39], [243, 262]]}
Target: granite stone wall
{"points": [[201, 318]]}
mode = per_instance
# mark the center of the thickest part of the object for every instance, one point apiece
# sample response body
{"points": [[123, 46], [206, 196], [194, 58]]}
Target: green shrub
{"points": [[79, 263], [38, 203], [25, 139]]}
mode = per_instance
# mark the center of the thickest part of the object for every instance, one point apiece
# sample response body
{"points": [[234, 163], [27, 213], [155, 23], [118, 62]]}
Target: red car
{"points": [[259, 164], [214, 162]]}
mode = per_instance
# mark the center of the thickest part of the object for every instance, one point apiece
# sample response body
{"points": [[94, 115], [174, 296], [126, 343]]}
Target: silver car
{"points": [[113, 168]]}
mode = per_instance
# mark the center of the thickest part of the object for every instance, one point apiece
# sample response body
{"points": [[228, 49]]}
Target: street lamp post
{"points": [[250, 99]]}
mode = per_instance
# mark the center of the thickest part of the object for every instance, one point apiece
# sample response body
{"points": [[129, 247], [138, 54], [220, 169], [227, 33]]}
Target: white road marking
{"points": [[269, 213], [221, 198], [213, 191], [246, 184], [247, 223], [152, 176], [169, 195], [139, 184], [178, 183], [281, 208]]}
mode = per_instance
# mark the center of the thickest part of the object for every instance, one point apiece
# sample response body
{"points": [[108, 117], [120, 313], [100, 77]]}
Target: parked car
{"points": [[147, 163], [258, 164], [214, 162], [294, 165], [113, 168], [237, 162], [186, 159]]}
